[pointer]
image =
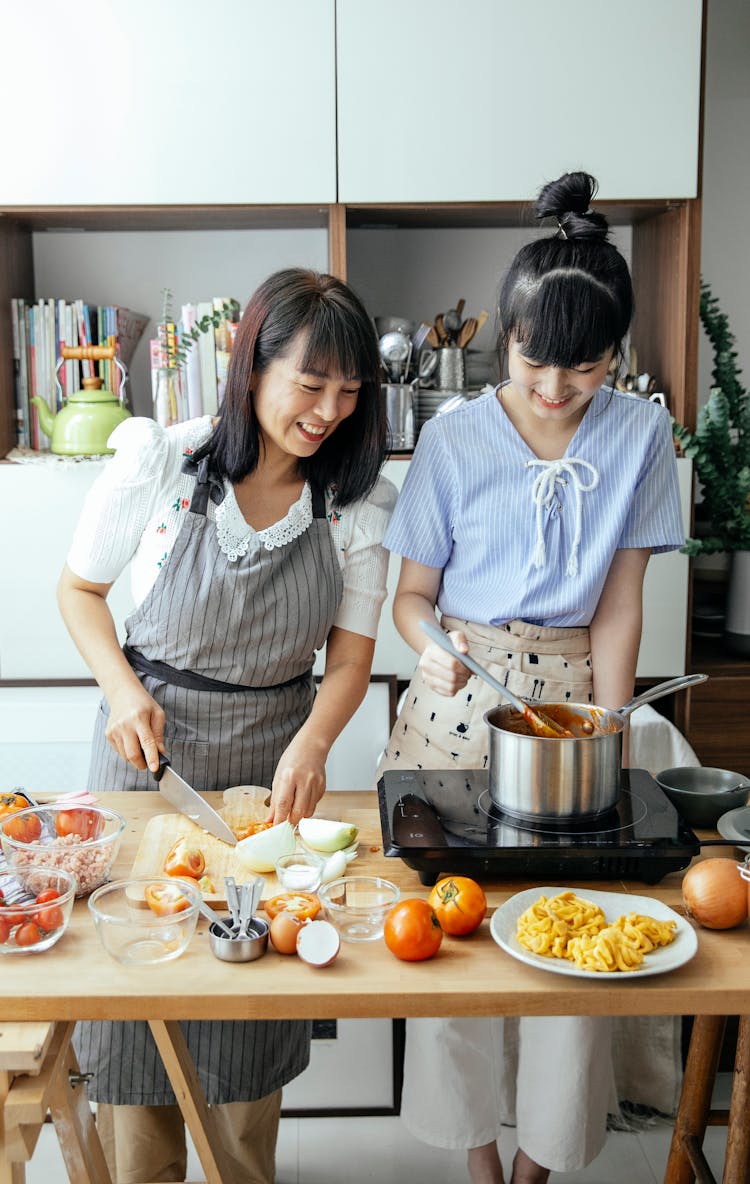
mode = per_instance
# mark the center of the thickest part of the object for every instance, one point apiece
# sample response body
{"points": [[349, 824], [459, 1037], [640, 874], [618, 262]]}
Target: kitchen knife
{"points": [[190, 803]]}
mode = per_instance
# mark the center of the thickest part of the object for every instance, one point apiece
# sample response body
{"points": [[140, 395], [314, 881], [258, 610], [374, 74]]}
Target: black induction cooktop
{"points": [[445, 822]]}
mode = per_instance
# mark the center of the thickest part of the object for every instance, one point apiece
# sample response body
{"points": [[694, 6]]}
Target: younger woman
{"points": [[527, 518]]}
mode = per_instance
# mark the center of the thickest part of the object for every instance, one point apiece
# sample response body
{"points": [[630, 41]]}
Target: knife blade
{"points": [[190, 803]]}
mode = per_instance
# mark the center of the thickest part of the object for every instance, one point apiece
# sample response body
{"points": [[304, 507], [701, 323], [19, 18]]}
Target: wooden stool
{"points": [[686, 1159]]}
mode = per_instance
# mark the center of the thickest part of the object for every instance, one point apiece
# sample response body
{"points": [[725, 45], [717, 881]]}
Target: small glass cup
{"points": [[300, 872]]}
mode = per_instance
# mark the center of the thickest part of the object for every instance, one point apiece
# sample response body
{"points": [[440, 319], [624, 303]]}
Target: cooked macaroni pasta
{"points": [[566, 926]]}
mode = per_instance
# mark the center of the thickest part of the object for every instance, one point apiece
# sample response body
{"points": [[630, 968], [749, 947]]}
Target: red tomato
{"points": [[48, 894], [79, 821], [304, 905], [250, 828], [5, 927], [183, 859], [165, 899], [28, 934], [24, 828], [50, 918], [412, 930], [459, 903]]}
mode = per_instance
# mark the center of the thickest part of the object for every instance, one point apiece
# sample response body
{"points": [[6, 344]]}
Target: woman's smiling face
{"points": [[553, 393], [297, 410]]}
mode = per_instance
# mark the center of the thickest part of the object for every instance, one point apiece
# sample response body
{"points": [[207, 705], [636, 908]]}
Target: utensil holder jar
{"points": [[451, 369], [399, 409]]}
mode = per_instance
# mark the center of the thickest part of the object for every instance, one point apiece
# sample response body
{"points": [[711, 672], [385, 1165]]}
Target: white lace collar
{"points": [[236, 537]]}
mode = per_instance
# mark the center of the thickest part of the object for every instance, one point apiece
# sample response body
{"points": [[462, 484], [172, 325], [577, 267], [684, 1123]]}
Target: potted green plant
{"points": [[720, 449]]}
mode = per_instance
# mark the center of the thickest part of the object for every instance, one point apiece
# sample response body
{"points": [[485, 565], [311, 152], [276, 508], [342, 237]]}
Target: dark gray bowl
{"points": [[702, 795]]}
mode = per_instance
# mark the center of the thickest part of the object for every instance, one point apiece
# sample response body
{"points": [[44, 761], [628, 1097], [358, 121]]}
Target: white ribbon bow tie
{"points": [[543, 493]]}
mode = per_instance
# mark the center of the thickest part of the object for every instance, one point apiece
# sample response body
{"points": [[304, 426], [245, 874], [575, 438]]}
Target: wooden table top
{"points": [[77, 979]]}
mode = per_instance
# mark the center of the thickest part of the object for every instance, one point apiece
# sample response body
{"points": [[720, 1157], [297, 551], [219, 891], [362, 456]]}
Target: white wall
{"points": [[131, 268], [725, 246]]}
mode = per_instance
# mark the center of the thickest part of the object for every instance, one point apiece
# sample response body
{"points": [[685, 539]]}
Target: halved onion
{"points": [[259, 852]]}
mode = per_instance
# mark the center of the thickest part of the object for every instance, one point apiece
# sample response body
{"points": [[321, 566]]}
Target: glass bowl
{"points": [[359, 905], [28, 926], [81, 840], [300, 872], [129, 928]]}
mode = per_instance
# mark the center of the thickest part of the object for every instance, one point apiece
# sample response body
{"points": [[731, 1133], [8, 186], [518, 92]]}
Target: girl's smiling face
{"points": [[552, 393], [297, 410]]}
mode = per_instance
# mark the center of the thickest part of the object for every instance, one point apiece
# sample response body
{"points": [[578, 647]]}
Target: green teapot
{"points": [[88, 417]]}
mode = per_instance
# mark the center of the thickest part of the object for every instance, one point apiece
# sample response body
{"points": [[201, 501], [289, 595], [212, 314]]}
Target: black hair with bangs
{"points": [[340, 339], [568, 298]]}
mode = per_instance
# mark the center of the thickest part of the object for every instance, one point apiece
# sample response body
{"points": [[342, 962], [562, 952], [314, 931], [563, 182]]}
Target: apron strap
{"points": [[208, 484], [198, 682]]}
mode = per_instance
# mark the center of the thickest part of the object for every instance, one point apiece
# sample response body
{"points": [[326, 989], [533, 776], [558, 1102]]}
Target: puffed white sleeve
{"points": [[119, 503], [365, 569]]}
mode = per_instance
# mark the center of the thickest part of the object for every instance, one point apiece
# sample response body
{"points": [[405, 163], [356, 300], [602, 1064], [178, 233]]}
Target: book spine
{"points": [[207, 354], [192, 366]]}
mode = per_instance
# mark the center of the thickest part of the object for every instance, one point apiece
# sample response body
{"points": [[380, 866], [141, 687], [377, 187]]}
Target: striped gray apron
{"points": [[245, 632]]}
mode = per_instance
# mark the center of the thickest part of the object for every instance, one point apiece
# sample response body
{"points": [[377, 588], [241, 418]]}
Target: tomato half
{"points": [[184, 859], [10, 803], [79, 821], [412, 931], [304, 905], [251, 828], [166, 899], [459, 903], [24, 828]]}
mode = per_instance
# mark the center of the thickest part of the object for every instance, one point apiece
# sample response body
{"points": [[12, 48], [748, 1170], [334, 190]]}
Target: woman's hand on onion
{"points": [[442, 673], [299, 782]]}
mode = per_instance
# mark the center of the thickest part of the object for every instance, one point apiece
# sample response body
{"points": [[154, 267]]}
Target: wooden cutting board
{"points": [[221, 860]]}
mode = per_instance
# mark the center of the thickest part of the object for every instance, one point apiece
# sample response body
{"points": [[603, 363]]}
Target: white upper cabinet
{"points": [[168, 102], [484, 100]]}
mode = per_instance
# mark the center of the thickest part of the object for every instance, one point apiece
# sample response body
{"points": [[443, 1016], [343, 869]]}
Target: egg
{"points": [[283, 932]]}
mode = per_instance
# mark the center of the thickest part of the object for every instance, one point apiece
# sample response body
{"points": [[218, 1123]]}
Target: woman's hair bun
{"points": [[568, 200]]}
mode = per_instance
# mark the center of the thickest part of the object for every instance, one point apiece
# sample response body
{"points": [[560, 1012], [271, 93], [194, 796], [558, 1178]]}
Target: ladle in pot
{"points": [[541, 724]]}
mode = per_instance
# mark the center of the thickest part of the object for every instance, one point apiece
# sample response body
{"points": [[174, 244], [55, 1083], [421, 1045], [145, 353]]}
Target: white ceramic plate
{"points": [[735, 824], [614, 904]]}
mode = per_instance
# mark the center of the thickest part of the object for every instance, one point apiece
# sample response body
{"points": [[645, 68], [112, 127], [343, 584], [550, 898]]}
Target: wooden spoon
{"points": [[466, 332], [540, 724]]}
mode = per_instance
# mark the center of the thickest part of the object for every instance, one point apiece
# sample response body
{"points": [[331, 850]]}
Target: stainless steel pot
{"points": [[551, 778]]}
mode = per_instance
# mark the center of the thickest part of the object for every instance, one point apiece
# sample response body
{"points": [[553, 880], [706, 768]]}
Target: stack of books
{"points": [[41, 330]]}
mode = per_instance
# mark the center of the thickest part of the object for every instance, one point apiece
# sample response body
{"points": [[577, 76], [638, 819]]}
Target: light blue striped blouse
{"points": [[521, 538]]}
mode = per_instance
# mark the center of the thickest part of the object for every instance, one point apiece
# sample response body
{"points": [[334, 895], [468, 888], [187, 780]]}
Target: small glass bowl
{"points": [[359, 905], [131, 932], [300, 872], [21, 911], [88, 859]]}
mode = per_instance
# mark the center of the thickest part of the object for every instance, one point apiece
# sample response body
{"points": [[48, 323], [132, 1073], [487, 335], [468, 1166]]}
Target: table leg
{"points": [[695, 1101], [198, 1117], [10, 1173], [75, 1127], [737, 1159]]}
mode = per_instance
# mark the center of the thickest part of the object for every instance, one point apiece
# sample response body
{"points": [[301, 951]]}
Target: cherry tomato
{"points": [[50, 918], [250, 828], [24, 828], [28, 934], [10, 803], [412, 930], [304, 905], [184, 859], [166, 899], [79, 821], [48, 894], [5, 927], [459, 903]]}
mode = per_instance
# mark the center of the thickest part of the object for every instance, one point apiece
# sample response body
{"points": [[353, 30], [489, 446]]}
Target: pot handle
{"points": [[661, 688]]}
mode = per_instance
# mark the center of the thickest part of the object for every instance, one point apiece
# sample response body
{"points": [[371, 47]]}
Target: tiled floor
{"points": [[381, 1151]]}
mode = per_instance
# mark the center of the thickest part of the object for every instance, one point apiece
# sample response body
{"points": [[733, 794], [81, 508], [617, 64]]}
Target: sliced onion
{"points": [[260, 852]]}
